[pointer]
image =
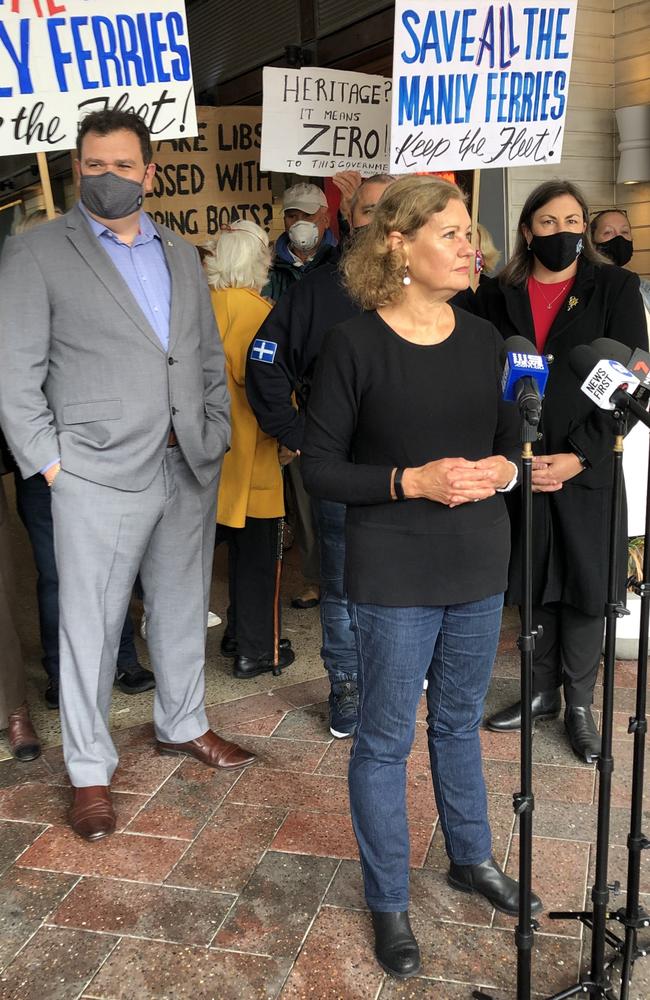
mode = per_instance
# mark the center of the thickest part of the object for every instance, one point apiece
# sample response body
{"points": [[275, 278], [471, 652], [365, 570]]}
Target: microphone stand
{"points": [[524, 801], [633, 917], [597, 982]]}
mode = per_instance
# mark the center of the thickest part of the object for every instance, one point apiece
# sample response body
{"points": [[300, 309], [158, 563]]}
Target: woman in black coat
{"points": [[558, 292]]}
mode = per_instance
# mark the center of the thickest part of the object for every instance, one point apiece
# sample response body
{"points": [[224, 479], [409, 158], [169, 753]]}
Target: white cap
{"points": [[307, 198]]}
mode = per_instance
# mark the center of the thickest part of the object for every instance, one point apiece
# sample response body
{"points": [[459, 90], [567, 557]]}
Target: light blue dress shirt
{"points": [[144, 268]]}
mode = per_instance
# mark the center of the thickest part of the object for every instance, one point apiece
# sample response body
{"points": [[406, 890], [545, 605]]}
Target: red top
{"points": [[545, 303]]}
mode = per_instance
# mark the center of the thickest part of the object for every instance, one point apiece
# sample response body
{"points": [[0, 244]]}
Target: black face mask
{"points": [[557, 251], [619, 250]]}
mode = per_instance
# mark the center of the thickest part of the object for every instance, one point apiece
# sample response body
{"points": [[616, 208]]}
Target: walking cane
{"points": [[277, 670]]}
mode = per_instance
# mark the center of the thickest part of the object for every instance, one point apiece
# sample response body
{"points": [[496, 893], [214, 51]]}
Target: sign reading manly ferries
{"points": [[320, 121], [479, 84], [60, 59]]}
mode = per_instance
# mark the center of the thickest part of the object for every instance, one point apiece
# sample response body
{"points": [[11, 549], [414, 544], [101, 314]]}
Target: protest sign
{"points": [[320, 121], [479, 84], [208, 181], [60, 60]]}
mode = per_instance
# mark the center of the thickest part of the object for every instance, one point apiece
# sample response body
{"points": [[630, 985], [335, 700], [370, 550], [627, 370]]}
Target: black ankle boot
{"points": [[487, 879], [583, 735], [395, 946], [545, 705]]}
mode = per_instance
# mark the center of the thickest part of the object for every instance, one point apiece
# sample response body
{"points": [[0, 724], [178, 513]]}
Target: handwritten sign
{"points": [[319, 121], [480, 84], [208, 181], [60, 60]]}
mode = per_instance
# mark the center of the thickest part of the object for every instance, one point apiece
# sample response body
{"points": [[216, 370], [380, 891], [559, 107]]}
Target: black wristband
{"points": [[581, 458], [397, 484]]}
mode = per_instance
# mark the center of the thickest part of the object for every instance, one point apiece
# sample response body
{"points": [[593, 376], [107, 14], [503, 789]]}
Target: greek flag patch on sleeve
{"points": [[264, 350]]}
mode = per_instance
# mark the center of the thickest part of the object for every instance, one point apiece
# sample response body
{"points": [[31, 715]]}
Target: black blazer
{"points": [[571, 527]]}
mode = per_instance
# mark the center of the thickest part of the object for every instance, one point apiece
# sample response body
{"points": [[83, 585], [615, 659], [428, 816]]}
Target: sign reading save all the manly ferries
{"points": [[60, 59], [480, 84]]}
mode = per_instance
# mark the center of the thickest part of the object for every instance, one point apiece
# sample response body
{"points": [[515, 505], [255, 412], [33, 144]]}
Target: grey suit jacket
{"points": [[84, 376]]}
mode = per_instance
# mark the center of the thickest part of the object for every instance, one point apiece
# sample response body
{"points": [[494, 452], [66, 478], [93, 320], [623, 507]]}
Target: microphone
{"points": [[525, 373], [637, 362], [608, 383]]}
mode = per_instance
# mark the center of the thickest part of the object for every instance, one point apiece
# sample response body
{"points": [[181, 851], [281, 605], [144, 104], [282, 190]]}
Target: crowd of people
{"points": [[154, 405]]}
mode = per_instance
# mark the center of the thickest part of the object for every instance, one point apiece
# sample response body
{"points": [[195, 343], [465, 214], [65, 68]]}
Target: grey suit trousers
{"points": [[12, 671], [103, 537]]}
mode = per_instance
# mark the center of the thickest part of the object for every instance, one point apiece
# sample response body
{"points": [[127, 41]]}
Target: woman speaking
{"points": [[407, 427]]}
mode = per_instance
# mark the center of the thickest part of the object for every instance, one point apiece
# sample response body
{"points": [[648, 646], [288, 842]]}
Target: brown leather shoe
{"points": [[92, 815], [25, 744], [210, 749]]}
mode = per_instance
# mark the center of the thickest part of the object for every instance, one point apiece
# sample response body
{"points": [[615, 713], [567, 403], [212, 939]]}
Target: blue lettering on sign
{"points": [[444, 99], [123, 51], [440, 34], [19, 57]]}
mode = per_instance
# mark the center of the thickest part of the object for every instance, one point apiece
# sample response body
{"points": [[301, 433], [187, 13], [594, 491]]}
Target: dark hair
{"points": [[112, 120], [520, 264]]}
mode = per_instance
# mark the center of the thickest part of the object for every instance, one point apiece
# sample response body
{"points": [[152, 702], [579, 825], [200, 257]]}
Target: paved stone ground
{"points": [[246, 886]]}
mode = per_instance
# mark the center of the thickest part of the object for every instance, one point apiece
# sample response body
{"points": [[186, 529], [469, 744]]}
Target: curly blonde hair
{"points": [[373, 272]]}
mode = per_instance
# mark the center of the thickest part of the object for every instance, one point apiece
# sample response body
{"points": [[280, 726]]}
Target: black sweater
{"points": [[378, 402]]}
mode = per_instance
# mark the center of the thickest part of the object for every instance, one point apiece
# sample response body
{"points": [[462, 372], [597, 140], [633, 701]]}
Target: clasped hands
{"points": [[551, 471], [454, 481]]}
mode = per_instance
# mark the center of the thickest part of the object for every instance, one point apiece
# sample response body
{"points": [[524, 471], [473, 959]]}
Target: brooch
{"points": [[573, 301]]}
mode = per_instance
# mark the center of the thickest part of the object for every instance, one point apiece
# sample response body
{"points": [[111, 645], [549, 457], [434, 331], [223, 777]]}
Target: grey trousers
{"points": [[102, 538], [12, 671]]}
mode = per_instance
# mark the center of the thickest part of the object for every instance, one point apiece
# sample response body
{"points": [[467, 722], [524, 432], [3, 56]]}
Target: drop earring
{"points": [[406, 280]]}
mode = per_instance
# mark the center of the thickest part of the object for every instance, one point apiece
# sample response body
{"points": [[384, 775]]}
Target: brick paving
{"points": [[247, 885]]}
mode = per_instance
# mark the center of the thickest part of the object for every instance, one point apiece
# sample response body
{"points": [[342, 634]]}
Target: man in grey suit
{"points": [[112, 386]]}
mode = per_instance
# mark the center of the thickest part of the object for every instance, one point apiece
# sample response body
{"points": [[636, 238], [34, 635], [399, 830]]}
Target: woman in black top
{"points": [[559, 292], [407, 427]]}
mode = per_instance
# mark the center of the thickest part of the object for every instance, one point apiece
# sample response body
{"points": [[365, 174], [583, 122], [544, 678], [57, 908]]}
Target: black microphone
{"points": [[525, 373]]}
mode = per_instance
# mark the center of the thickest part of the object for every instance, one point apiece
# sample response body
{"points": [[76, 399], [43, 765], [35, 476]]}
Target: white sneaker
{"points": [[212, 621]]}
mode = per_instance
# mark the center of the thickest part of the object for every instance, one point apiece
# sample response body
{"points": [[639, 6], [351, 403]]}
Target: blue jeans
{"points": [[454, 648], [339, 651], [34, 505]]}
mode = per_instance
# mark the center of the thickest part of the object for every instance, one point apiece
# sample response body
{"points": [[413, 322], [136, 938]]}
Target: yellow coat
{"points": [[251, 481]]}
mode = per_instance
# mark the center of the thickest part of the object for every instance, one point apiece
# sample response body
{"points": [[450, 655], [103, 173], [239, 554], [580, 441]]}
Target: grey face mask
{"points": [[109, 196]]}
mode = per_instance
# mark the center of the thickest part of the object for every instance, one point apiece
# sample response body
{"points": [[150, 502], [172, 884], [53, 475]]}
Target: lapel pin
{"points": [[573, 301], [169, 243]]}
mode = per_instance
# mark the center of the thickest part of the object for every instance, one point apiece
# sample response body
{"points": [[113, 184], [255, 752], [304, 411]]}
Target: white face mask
{"points": [[304, 235]]}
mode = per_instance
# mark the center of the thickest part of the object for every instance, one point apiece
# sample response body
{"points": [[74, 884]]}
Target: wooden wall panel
{"points": [[588, 156], [632, 86]]}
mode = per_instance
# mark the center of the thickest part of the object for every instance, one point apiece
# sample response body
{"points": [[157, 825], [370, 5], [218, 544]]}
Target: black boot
{"points": [[546, 705], [583, 735], [248, 666], [395, 946], [487, 879]]}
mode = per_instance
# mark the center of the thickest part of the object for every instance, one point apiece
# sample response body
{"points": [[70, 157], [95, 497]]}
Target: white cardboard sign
{"points": [[320, 121], [60, 59], [478, 84]]}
